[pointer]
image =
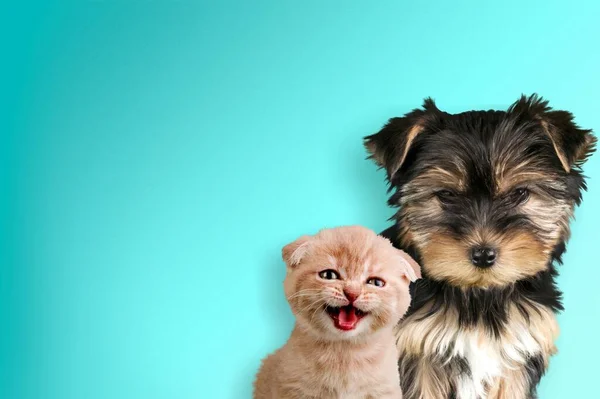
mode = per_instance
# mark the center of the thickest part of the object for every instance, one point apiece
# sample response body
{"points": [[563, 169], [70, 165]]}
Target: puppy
{"points": [[485, 199]]}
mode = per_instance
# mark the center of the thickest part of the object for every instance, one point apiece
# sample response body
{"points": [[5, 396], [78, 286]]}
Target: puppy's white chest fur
{"points": [[484, 360], [489, 357]]}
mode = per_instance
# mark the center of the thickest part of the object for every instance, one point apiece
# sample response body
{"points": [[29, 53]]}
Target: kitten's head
{"points": [[347, 282]]}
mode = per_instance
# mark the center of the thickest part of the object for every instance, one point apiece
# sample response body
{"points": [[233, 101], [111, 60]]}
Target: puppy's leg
{"points": [[423, 378], [511, 386], [520, 383]]}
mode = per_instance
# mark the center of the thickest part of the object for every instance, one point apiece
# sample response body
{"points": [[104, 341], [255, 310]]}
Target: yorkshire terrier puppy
{"points": [[485, 200]]}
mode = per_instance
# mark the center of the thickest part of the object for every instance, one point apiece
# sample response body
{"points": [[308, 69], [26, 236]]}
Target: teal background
{"points": [[156, 156]]}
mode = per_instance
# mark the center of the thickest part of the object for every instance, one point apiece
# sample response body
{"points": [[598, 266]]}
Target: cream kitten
{"points": [[348, 288]]}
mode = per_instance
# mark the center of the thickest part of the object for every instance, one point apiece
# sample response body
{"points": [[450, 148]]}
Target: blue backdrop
{"points": [[156, 156]]}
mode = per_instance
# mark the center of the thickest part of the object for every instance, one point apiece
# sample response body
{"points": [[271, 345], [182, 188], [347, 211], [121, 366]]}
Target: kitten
{"points": [[348, 288]]}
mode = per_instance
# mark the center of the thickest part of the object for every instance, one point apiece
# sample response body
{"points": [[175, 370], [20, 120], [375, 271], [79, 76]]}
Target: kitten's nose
{"points": [[351, 295]]}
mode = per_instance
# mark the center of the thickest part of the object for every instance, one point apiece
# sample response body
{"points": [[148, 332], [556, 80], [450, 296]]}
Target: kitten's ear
{"points": [[411, 269], [572, 144], [390, 146], [294, 252]]}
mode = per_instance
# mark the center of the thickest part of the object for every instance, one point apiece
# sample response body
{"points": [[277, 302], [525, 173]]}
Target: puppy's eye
{"points": [[520, 195], [445, 196], [377, 282], [329, 274]]}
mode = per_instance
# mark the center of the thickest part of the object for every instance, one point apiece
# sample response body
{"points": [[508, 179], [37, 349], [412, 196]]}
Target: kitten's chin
{"points": [[332, 323], [322, 328]]}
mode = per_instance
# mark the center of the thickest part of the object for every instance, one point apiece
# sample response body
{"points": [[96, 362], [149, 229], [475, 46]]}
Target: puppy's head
{"points": [[485, 197]]}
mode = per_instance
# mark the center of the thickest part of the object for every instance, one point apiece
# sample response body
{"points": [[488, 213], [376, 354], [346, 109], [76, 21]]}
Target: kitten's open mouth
{"points": [[345, 318]]}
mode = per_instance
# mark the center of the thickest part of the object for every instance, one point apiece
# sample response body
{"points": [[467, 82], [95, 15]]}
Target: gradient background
{"points": [[156, 156]]}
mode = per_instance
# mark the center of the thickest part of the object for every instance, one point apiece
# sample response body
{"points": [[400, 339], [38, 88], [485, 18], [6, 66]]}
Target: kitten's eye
{"points": [[329, 274], [377, 282], [445, 196], [520, 195]]}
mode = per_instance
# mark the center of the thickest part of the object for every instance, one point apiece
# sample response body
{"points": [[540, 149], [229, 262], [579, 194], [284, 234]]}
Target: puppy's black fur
{"points": [[504, 181]]}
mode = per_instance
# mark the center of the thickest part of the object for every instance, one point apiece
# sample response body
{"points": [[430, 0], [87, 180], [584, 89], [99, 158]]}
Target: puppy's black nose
{"points": [[483, 257]]}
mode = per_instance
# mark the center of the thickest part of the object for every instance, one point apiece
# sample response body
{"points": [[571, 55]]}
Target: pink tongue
{"points": [[347, 317]]}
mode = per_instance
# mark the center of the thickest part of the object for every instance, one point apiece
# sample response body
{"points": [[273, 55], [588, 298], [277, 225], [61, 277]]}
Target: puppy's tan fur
{"points": [[320, 361]]}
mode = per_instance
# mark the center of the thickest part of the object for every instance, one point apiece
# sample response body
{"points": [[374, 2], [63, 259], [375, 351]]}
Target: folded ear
{"points": [[572, 145], [411, 269], [293, 252], [389, 147]]}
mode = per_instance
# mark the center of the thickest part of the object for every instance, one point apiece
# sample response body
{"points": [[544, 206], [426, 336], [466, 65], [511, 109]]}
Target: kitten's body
{"points": [[307, 368], [343, 344]]}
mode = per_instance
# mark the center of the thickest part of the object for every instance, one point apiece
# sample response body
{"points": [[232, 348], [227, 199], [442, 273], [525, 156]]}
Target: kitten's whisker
{"points": [[313, 314], [313, 304], [301, 296], [304, 292]]}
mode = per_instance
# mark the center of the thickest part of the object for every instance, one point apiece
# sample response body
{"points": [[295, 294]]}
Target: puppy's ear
{"points": [[572, 144], [389, 147], [412, 270], [293, 252]]}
